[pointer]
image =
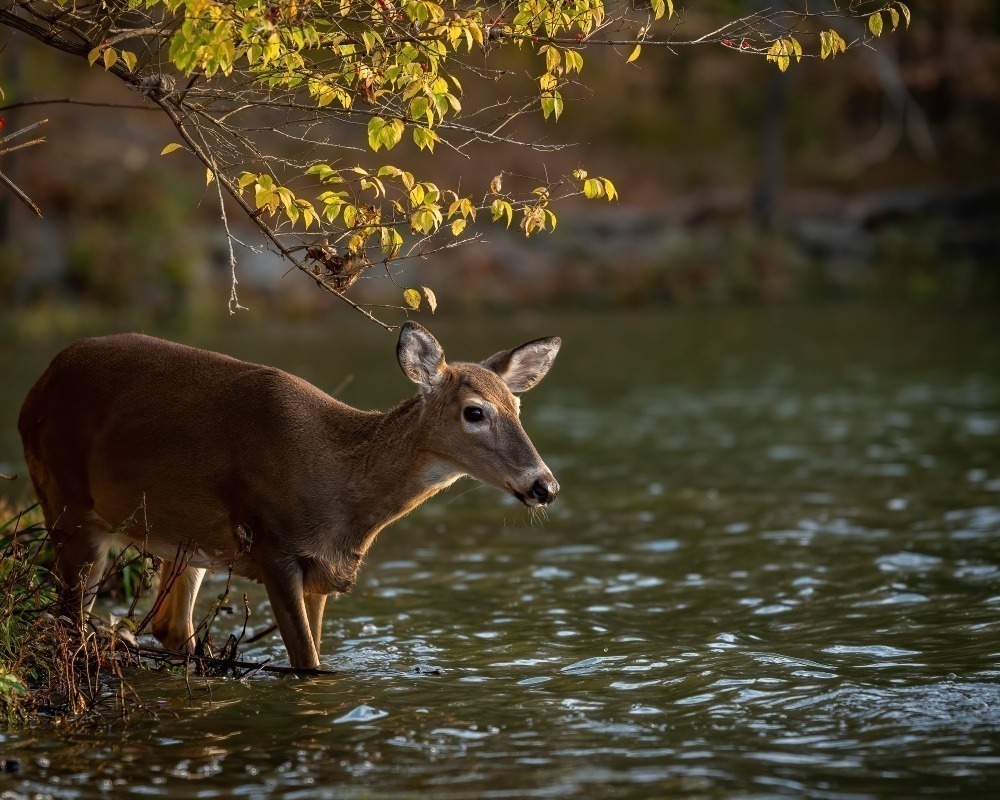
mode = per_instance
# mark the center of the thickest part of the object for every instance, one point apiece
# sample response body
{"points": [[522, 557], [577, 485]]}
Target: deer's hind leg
{"points": [[81, 557], [173, 620]]}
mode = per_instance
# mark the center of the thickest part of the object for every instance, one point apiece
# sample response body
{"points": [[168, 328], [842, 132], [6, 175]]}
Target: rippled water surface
{"points": [[773, 570]]}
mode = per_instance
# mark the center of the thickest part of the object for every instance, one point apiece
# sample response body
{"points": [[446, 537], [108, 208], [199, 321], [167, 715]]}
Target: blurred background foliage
{"points": [[738, 184]]}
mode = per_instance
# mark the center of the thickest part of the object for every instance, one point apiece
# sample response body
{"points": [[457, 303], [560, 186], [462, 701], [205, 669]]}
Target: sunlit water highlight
{"points": [[774, 570]]}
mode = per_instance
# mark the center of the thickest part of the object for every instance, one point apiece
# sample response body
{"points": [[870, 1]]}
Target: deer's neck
{"points": [[396, 469]]}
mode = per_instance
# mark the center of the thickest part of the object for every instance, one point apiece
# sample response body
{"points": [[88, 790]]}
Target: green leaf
{"points": [[875, 23], [412, 298], [175, 146], [552, 104], [419, 107], [425, 137], [375, 126], [390, 133]]}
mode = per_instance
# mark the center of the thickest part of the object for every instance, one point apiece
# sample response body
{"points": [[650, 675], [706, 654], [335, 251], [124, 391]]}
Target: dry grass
{"points": [[76, 670], [51, 665]]}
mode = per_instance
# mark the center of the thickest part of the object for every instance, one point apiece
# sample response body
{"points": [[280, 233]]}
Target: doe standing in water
{"points": [[245, 467]]}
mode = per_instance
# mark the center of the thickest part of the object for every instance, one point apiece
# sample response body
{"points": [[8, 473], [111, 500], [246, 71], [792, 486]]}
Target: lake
{"points": [[773, 570]]}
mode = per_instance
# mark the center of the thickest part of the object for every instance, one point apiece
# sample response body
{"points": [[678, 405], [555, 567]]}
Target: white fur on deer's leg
{"points": [[173, 622]]}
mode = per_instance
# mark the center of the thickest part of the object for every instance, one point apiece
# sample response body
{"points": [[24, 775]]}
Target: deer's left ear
{"points": [[524, 366]]}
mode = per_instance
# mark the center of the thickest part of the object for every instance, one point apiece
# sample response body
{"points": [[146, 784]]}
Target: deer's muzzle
{"points": [[542, 492]]}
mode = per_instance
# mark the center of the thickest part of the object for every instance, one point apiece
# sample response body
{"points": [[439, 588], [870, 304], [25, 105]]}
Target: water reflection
{"points": [[773, 571]]}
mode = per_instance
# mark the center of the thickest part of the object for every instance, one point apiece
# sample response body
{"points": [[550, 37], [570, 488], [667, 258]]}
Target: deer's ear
{"points": [[524, 366], [420, 355]]}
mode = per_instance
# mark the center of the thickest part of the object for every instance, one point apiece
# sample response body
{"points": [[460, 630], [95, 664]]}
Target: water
{"points": [[773, 570]]}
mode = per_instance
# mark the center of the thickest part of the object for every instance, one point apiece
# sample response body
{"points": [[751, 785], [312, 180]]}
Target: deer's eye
{"points": [[473, 414]]}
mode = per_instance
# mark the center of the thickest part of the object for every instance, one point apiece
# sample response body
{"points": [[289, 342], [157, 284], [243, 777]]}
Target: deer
{"points": [[243, 467]]}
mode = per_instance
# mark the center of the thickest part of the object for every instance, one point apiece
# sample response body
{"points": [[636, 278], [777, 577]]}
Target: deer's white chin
{"points": [[439, 474]]}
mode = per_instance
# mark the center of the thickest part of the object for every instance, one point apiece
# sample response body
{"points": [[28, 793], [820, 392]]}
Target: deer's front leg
{"points": [[315, 603], [284, 590]]}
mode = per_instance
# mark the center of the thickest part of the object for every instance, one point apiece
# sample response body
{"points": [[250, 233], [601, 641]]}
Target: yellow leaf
{"points": [[170, 148], [93, 55], [635, 54], [209, 176], [496, 185], [875, 23], [412, 298], [129, 59], [592, 188], [110, 57]]}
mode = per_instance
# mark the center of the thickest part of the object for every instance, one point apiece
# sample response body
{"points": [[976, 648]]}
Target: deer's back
{"points": [[120, 420]]}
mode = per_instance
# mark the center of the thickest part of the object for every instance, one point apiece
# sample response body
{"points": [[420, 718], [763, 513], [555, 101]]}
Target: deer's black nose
{"points": [[544, 491]]}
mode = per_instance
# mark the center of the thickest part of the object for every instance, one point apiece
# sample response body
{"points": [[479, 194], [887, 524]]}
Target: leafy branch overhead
{"points": [[293, 106]]}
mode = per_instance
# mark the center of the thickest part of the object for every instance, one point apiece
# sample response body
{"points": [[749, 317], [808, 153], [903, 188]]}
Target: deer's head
{"points": [[471, 413]]}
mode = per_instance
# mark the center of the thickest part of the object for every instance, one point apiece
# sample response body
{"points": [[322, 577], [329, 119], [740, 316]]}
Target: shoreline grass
{"points": [[66, 671]]}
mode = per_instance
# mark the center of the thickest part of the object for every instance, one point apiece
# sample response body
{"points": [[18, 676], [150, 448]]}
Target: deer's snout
{"points": [[545, 491], [542, 492]]}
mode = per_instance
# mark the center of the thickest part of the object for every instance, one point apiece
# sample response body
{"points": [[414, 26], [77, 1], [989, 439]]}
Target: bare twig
{"points": [[180, 659], [73, 102], [19, 194]]}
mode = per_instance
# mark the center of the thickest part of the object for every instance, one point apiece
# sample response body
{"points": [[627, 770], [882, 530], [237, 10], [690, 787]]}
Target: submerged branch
{"points": [[222, 665]]}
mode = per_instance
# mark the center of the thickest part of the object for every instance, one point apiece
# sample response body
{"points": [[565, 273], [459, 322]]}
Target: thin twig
{"points": [[19, 194], [172, 656], [72, 102]]}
